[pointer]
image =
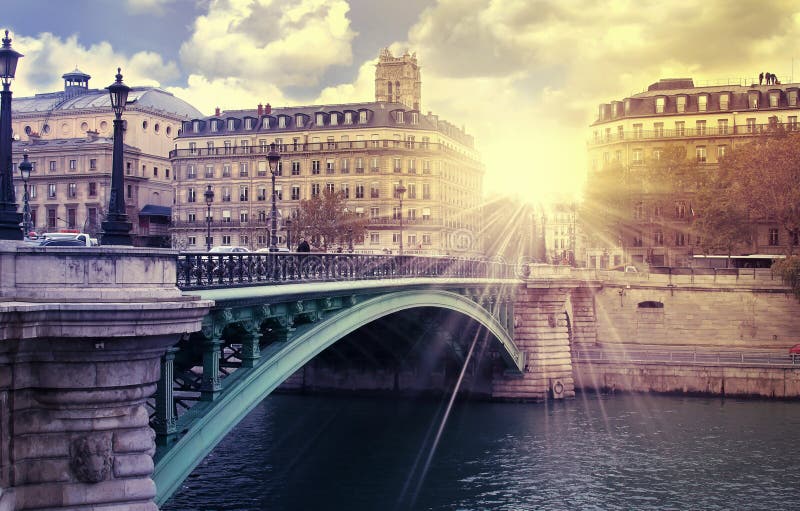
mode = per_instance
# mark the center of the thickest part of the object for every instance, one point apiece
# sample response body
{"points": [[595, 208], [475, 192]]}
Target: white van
{"points": [[80, 236]]}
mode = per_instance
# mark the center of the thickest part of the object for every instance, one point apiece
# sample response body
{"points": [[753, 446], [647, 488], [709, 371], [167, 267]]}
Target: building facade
{"points": [[364, 150], [706, 122], [68, 135]]}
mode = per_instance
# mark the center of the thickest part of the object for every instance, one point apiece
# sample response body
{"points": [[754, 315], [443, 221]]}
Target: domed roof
{"points": [[76, 75]]}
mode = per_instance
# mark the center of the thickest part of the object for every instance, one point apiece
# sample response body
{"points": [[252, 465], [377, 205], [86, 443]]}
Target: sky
{"points": [[524, 77]]}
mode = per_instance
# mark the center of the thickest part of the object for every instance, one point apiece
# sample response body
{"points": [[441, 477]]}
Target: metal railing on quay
{"points": [[214, 270], [691, 357]]}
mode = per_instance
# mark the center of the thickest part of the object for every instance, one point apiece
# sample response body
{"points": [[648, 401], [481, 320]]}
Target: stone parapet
{"points": [[82, 332]]}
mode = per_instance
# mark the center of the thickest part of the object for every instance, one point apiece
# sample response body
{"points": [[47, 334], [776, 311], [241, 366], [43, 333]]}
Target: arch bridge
{"points": [[275, 312]]}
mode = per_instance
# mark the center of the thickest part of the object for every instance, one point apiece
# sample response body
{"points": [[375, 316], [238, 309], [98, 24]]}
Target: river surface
{"points": [[623, 452]]}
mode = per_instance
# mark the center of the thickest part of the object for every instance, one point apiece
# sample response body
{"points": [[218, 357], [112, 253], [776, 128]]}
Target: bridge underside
{"points": [[403, 340]]}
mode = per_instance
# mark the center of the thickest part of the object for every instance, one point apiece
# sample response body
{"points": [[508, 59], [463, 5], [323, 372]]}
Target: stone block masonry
{"points": [[82, 332]]}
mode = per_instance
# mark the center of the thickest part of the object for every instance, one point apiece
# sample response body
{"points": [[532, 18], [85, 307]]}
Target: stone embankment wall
{"points": [[749, 312]]}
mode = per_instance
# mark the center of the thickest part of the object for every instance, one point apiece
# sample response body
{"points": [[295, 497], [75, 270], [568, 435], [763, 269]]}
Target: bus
{"points": [[735, 261]]}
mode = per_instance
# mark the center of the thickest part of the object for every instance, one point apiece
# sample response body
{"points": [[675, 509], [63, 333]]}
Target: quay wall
{"points": [[749, 311]]}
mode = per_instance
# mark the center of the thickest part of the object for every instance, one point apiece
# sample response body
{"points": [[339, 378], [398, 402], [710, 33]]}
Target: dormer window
{"points": [[231, 124], [214, 126], [681, 104], [196, 126], [627, 106], [334, 119], [791, 97], [265, 123], [660, 104], [702, 103], [362, 117], [724, 101], [248, 123], [414, 117], [399, 118], [348, 117], [282, 121], [774, 98], [320, 120], [298, 120], [752, 99]]}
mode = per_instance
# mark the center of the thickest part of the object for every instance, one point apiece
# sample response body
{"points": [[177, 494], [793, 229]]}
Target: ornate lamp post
{"points": [[400, 190], [289, 233], [350, 240], [273, 157], [25, 173], [117, 228], [9, 218], [209, 195]]}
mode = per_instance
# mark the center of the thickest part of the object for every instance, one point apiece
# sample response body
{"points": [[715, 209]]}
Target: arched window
{"points": [[389, 84]]}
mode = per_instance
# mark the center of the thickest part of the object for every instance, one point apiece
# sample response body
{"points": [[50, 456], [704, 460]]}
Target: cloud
{"points": [[47, 57], [287, 43], [156, 7], [362, 89], [228, 94]]}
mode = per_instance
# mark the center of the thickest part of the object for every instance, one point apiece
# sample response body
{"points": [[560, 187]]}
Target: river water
{"points": [[623, 452]]}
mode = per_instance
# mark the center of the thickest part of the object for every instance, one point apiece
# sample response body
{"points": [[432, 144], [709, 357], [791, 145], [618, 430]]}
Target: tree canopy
{"points": [[326, 219], [755, 182]]}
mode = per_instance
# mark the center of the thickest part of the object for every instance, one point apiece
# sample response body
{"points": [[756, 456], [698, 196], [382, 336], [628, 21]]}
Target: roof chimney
{"points": [[260, 109], [216, 111], [267, 109]]}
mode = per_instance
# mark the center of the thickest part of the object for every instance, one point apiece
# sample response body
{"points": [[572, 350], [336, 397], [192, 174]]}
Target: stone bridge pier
{"points": [[552, 310], [82, 333]]}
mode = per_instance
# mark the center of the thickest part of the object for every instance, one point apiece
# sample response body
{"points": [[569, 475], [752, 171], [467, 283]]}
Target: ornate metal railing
{"points": [[210, 270]]}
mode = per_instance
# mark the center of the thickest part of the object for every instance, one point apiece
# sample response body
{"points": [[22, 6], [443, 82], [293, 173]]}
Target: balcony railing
{"points": [[740, 130], [315, 147], [203, 270]]}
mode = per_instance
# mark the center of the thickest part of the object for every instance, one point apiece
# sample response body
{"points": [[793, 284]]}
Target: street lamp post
{"points": [[25, 173], [9, 218], [400, 190], [288, 233], [209, 195], [350, 240], [116, 227], [273, 157]]}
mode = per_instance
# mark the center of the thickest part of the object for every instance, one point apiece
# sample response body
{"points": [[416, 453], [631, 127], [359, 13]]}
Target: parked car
{"points": [[227, 249], [63, 242], [280, 249], [84, 238]]}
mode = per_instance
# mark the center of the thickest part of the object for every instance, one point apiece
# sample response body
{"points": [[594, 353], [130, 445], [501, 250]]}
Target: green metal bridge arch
{"points": [[235, 401]]}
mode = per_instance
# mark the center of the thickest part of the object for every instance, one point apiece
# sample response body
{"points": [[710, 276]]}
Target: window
{"points": [[209, 171], [282, 121], [412, 214], [330, 188], [32, 192], [243, 172], [295, 192], [214, 126], [348, 117], [702, 103], [330, 168], [721, 151], [190, 172], [724, 100], [226, 194], [752, 100], [660, 103], [791, 123], [155, 171], [73, 164], [700, 127], [399, 118], [722, 126], [315, 166], [680, 210], [658, 211], [359, 165], [191, 216], [52, 165], [774, 99], [344, 166], [638, 210], [751, 125], [190, 195], [774, 238], [226, 216], [51, 219], [658, 129], [299, 120], [374, 191], [192, 147], [426, 239], [680, 103], [243, 216], [374, 212], [244, 193], [362, 117], [51, 191], [395, 237], [398, 165], [261, 194], [226, 239], [412, 191], [791, 97], [700, 152], [426, 166], [637, 156], [359, 191], [130, 191], [680, 128], [658, 238], [345, 188], [426, 191], [680, 239], [637, 131], [374, 238], [72, 190], [295, 168], [315, 189]]}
